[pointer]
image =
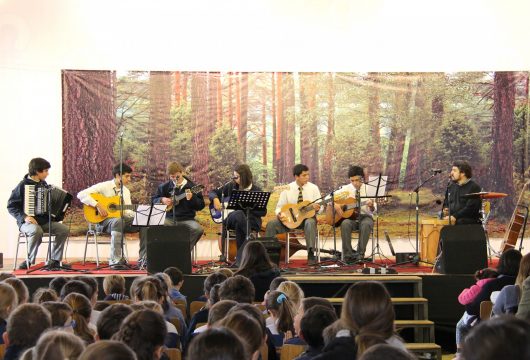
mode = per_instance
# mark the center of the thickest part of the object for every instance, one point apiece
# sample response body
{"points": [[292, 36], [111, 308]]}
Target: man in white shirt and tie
{"points": [[113, 225], [299, 190]]}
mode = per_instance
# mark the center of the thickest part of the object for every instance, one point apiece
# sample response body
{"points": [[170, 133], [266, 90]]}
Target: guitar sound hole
{"points": [[112, 207]]}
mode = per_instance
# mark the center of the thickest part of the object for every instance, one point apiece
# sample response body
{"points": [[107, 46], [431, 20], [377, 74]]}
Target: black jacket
{"points": [[465, 210], [184, 210], [227, 192], [15, 204]]}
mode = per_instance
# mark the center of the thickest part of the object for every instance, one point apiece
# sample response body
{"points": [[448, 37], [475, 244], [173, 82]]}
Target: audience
{"points": [[110, 320], [62, 315], [281, 311], [8, 303], [237, 288], [312, 325], [385, 352], [20, 288], [293, 291], [507, 301], [523, 310], [248, 330], [306, 304], [108, 350], [82, 310], [57, 283], [217, 344], [76, 286], [58, 344], [114, 287], [177, 280], [44, 294]]}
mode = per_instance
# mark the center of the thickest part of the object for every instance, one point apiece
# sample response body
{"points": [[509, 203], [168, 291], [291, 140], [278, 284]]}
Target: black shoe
{"points": [[54, 265], [66, 266], [311, 259], [23, 265]]}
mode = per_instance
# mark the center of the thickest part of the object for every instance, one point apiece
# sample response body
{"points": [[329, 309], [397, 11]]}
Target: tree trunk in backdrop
{"points": [[279, 157], [374, 146], [243, 122], [199, 104], [327, 182], [288, 131], [177, 90], [308, 125], [273, 116]]}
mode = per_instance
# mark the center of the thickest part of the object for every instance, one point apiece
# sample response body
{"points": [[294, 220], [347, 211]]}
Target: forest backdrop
{"points": [[397, 124]]}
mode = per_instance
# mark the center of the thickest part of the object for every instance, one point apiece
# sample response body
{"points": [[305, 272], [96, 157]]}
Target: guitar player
{"points": [[299, 190], [185, 210], [236, 220], [364, 222], [113, 226]]}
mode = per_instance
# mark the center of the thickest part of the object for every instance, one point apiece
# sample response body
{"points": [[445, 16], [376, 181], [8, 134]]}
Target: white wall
{"points": [[38, 38]]}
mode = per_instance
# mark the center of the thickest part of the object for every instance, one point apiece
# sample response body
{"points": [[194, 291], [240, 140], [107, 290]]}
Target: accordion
{"points": [[38, 199]]}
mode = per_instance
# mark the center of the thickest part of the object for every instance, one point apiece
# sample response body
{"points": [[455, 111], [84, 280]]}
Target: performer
{"points": [[462, 210], [236, 220], [113, 226], [35, 226], [299, 190], [184, 210], [364, 223]]}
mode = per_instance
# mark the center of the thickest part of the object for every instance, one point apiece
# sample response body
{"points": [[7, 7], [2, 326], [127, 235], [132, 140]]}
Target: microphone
{"points": [[436, 171], [234, 177]]}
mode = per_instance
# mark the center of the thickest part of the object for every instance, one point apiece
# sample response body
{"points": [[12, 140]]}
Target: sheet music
{"points": [[371, 186], [158, 215]]}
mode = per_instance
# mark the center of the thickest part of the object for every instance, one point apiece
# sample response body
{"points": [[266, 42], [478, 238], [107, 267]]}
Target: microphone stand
{"points": [[224, 253], [173, 196]]}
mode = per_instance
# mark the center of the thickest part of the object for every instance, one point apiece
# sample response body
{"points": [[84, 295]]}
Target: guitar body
{"points": [[194, 190], [517, 223], [297, 213], [111, 204], [349, 210], [217, 214]]}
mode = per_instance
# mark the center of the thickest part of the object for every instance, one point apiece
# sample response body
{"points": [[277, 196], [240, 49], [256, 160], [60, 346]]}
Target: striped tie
{"points": [[300, 195]]}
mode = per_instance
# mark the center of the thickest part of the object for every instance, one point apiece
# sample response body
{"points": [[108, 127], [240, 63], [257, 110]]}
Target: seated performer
{"points": [[299, 190], [113, 225], [462, 210], [35, 226], [363, 221], [236, 220], [184, 211]]}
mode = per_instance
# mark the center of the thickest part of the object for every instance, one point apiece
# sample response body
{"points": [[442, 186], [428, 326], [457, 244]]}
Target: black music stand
{"points": [[246, 201]]}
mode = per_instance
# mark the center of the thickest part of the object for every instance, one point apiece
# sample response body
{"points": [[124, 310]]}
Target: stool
{"points": [[21, 235], [231, 236], [93, 232], [295, 234]]}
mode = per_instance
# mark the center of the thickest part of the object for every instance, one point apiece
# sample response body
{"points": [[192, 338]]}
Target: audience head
{"points": [[101, 305], [110, 320], [503, 337], [82, 310], [306, 304], [114, 284], [108, 350], [211, 280], [524, 270], [252, 311], [93, 284], [76, 286], [61, 314], [219, 310], [313, 323], [8, 300], [368, 311], [254, 259], [44, 294], [280, 307], [148, 288], [26, 324], [147, 305], [144, 331], [226, 272], [20, 288], [5, 275], [58, 344], [214, 295], [57, 284], [247, 329], [486, 273], [216, 344], [237, 288], [293, 292], [386, 352], [176, 276], [509, 262], [276, 282]]}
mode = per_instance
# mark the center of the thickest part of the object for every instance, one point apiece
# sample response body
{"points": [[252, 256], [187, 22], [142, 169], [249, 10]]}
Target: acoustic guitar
{"points": [[296, 213], [194, 190], [517, 222], [112, 204], [350, 210]]}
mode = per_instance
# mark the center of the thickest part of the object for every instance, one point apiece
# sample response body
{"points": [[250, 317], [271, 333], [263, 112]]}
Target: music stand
{"points": [[246, 201], [148, 215]]}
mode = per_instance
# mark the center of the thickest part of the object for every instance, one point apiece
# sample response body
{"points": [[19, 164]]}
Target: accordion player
{"points": [[39, 199]]}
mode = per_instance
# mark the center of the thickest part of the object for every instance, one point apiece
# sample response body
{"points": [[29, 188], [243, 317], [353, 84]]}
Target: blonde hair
{"points": [[148, 305], [293, 292], [114, 284], [174, 167], [20, 288], [82, 311], [226, 271], [8, 300], [58, 344]]}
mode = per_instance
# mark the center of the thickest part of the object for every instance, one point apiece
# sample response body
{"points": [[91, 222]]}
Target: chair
{"points": [[195, 306], [176, 322], [23, 235], [181, 305], [2, 350], [231, 236], [296, 234], [485, 310], [91, 237], [289, 352], [173, 354]]}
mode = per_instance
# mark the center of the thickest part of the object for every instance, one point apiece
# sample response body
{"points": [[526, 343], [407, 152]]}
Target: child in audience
{"points": [[110, 320], [20, 288], [8, 303], [108, 350], [306, 304], [93, 296], [57, 283], [508, 299], [213, 342], [293, 291], [173, 339], [57, 344], [62, 315], [237, 288], [312, 324], [177, 280], [386, 352], [82, 310], [44, 294], [248, 330], [114, 287], [281, 311]]}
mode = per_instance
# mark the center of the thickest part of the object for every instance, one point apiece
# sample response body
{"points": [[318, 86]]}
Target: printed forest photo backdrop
{"points": [[400, 125]]}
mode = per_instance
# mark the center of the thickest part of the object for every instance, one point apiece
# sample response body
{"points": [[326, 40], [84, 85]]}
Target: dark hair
{"points": [[216, 344], [214, 294], [309, 302], [386, 352], [219, 310], [37, 165], [299, 169], [44, 294], [278, 303], [463, 166], [247, 329], [313, 323], [486, 273], [502, 337], [253, 311], [175, 274], [101, 305], [20, 288], [245, 175], [143, 331], [110, 320], [76, 286], [237, 288], [26, 324], [5, 275], [126, 169], [57, 284], [90, 281], [368, 312], [509, 262], [355, 170], [59, 311], [254, 259], [108, 350], [211, 280], [276, 282], [82, 310]]}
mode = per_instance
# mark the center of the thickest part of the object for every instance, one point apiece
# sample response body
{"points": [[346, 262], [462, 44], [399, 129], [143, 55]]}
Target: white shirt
{"points": [[108, 189], [352, 192], [309, 192]]}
